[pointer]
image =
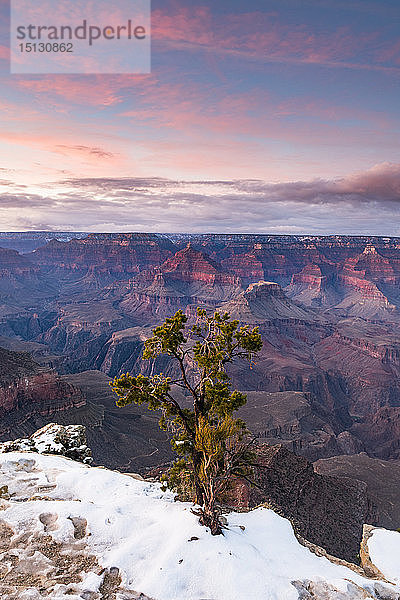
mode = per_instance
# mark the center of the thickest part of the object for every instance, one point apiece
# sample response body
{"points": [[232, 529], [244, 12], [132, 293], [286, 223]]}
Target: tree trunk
{"points": [[204, 497], [210, 518], [210, 513], [198, 487]]}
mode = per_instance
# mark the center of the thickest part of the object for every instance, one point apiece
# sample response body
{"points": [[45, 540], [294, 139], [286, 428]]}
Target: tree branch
{"points": [[182, 415]]}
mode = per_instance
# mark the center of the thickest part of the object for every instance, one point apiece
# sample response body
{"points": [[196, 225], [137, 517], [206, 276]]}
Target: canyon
{"points": [[326, 383]]}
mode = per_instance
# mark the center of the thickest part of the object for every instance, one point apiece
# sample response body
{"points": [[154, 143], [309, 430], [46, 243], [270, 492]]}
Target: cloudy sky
{"points": [[258, 115]]}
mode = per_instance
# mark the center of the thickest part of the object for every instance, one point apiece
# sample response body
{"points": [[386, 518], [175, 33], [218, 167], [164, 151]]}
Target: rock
{"points": [[4, 493], [93, 291], [383, 593], [320, 590], [292, 419], [29, 391], [381, 476], [69, 441], [370, 569], [348, 444], [111, 583], [189, 265], [100, 255], [34, 565], [265, 301], [326, 511], [20, 282], [312, 590], [246, 266], [135, 476]]}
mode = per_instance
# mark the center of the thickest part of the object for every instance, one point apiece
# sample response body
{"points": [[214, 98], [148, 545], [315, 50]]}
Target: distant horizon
{"points": [[194, 233]]}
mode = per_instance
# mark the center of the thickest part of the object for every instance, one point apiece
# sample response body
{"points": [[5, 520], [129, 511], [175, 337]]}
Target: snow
{"points": [[157, 543], [69, 440], [384, 551]]}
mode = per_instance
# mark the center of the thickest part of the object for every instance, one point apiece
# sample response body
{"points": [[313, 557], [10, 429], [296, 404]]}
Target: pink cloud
{"points": [[256, 34], [381, 181], [390, 53], [94, 91], [260, 35], [189, 126], [92, 152], [201, 110], [100, 91], [196, 109], [72, 147], [4, 53]]}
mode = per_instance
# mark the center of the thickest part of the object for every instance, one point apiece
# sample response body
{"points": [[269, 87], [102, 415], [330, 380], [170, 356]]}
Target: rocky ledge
{"points": [[69, 441], [327, 511]]}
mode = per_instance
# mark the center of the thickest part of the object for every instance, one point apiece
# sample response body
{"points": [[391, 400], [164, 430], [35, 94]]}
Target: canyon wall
{"points": [[327, 309], [28, 390]]}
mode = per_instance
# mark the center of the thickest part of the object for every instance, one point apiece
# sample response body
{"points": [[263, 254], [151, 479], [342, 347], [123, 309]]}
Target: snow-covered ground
{"points": [[157, 543], [384, 551]]}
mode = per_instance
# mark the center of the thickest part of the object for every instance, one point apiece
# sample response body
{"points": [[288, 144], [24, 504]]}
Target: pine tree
{"points": [[209, 440]]}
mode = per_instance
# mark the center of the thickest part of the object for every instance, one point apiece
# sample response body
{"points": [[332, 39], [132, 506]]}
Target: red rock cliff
{"points": [[27, 390]]}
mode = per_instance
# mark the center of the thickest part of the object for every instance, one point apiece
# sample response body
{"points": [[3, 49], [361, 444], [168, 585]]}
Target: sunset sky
{"points": [[258, 116]]}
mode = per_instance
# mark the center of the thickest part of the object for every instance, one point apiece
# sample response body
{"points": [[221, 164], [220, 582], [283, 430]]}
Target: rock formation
{"points": [[297, 422], [265, 301], [332, 333], [69, 441], [28, 391], [325, 510], [381, 477]]}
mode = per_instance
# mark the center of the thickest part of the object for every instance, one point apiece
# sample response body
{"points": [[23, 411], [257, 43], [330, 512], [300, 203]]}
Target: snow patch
{"points": [[384, 551]]}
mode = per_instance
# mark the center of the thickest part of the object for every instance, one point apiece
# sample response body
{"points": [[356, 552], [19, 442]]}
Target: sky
{"points": [[258, 116]]}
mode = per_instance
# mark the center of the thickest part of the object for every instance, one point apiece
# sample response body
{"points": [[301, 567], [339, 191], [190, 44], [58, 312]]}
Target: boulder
{"points": [[69, 441]]}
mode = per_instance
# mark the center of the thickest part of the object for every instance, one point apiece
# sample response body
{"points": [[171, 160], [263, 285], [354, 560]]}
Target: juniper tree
{"points": [[209, 440]]}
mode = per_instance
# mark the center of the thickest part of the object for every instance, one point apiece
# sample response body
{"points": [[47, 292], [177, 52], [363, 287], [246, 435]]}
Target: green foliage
{"points": [[141, 390], [168, 338], [179, 479], [209, 440]]}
